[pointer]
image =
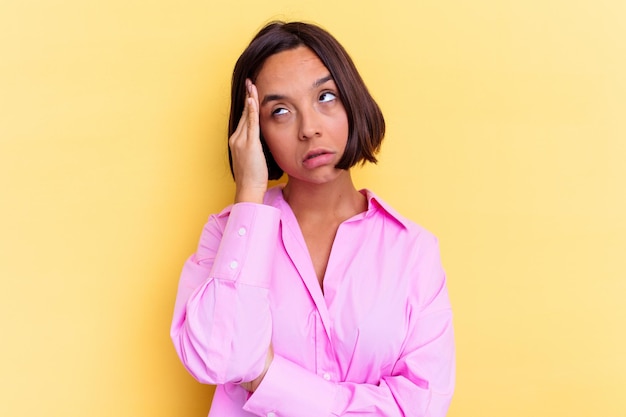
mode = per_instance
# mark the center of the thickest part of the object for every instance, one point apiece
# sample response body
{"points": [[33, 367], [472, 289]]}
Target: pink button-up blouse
{"points": [[377, 341]]}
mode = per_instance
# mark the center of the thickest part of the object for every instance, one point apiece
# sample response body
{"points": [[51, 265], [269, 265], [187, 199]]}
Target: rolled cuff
{"points": [[248, 244], [290, 390]]}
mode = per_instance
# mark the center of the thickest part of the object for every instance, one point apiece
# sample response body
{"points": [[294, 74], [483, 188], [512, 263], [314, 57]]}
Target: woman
{"points": [[312, 299]]}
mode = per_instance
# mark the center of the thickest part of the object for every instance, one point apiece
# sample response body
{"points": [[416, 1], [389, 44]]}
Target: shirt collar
{"points": [[274, 197], [375, 203]]}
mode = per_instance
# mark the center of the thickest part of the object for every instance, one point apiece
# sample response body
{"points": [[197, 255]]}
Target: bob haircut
{"points": [[366, 124]]}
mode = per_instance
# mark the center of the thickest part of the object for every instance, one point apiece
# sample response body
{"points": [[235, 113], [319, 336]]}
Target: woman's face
{"points": [[302, 118]]}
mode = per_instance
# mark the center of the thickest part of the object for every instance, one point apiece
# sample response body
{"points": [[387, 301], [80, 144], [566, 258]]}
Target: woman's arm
{"points": [[222, 322]]}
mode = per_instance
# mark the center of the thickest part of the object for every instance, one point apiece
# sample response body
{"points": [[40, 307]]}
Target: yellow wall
{"points": [[506, 138]]}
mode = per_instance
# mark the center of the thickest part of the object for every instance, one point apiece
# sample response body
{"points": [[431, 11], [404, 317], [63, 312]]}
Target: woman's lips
{"points": [[317, 158]]}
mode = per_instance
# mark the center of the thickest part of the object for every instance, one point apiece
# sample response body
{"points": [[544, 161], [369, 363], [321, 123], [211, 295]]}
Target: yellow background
{"points": [[506, 137]]}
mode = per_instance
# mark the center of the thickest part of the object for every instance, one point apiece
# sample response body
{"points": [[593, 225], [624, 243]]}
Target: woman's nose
{"points": [[310, 124]]}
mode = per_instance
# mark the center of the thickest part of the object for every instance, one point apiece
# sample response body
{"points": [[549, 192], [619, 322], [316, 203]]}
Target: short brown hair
{"points": [[365, 120]]}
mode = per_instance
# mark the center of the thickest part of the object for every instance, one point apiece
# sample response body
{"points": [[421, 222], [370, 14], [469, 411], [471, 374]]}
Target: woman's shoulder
{"points": [[382, 208]]}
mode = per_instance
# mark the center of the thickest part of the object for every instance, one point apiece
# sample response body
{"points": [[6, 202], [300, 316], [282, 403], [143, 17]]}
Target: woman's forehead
{"points": [[291, 61]]}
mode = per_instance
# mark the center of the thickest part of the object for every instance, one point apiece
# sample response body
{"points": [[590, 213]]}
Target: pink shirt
{"points": [[378, 341]]}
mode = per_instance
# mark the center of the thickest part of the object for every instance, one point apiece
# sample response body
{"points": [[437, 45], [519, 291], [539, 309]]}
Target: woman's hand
{"points": [[249, 164], [253, 385]]}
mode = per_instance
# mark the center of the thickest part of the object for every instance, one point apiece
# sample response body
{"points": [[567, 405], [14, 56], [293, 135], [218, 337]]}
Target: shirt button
{"points": [[234, 265], [242, 231], [271, 414], [326, 376]]}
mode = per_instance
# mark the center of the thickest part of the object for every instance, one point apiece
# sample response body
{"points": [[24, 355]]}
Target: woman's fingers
{"points": [[252, 101], [249, 164], [248, 126], [242, 125]]}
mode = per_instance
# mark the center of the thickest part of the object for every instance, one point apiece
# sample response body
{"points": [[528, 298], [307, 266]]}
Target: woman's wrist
{"points": [[250, 195]]}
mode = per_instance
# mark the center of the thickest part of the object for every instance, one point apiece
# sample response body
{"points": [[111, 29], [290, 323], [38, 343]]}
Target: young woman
{"points": [[312, 299]]}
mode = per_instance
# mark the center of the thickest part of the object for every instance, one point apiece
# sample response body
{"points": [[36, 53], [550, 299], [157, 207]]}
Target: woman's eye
{"points": [[327, 96], [279, 111]]}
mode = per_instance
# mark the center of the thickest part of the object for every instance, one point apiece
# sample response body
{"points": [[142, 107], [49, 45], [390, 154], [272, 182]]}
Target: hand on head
{"points": [[249, 163]]}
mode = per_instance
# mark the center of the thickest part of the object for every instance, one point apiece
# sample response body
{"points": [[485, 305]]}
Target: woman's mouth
{"points": [[317, 158], [314, 155]]}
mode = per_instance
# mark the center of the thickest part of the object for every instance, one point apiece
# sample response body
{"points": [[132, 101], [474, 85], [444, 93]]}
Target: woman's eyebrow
{"points": [[322, 81], [272, 97], [278, 97]]}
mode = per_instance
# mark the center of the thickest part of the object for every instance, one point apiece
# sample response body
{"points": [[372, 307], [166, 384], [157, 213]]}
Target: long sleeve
{"points": [[420, 384], [222, 322]]}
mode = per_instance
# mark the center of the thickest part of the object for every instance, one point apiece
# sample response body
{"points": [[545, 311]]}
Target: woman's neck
{"points": [[334, 201]]}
